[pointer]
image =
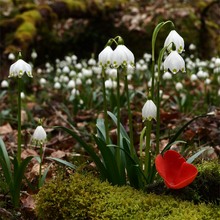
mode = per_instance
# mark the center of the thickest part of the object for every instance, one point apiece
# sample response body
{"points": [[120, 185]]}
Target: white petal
{"points": [[39, 134], [149, 110]]}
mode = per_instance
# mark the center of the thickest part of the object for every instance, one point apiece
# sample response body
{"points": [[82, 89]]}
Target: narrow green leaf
{"points": [[43, 177], [122, 130], [116, 173], [64, 162], [4, 156], [173, 139], [88, 149], [193, 157]]}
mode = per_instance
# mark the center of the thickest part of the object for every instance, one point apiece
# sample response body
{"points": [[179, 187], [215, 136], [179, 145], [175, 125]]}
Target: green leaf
{"points": [[193, 157], [173, 139], [19, 170], [88, 149], [43, 177], [122, 130], [6, 165], [101, 128], [64, 162], [116, 171]]}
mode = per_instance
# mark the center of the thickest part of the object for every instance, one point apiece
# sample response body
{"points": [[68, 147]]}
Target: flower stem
{"points": [[147, 149], [129, 116], [153, 77], [158, 117], [19, 122], [118, 119], [40, 167], [105, 107]]}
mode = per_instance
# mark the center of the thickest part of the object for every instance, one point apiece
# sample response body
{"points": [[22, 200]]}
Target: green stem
{"points": [[153, 44], [147, 149], [118, 118], [105, 107], [19, 122], [158, 117], [129, 116], [153, 77], [40, 168]]}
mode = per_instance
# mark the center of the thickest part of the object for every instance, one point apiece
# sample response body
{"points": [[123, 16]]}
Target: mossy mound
{"points": [[86, 197]]}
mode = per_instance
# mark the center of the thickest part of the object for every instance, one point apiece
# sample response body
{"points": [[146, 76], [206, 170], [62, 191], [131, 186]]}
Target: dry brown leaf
{"points": [[28, 202], [58, 154], [28, 152], [5, 129]]}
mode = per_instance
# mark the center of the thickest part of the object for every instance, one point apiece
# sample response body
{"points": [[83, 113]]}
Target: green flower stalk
{"points": [[17, 70], [104, 59], [39, 138]]}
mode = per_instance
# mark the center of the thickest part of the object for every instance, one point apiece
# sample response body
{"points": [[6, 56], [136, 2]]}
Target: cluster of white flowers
{"points": [[120, 56], [175, 45]]}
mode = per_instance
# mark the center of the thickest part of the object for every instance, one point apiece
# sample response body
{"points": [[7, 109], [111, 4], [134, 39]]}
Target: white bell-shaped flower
{"points": [[179, 86], [39, 135], [174, 62], [149, 110], [175, 38], [4, 84], [122, 56], [104, 58], [167, 76], [18, 69]]}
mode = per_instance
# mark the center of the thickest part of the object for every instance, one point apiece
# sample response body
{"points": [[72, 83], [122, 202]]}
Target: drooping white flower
{"points": [[207, 81], [11, 56], [174, 62], [110, 84], [104, 58], [92, 62], [39, 135], [217, 62], [88, 82], [179, 86], [112, 72], [193, 77], [4, 84], [122, 56], [18, 69], [43, 81], [71, 84], [149, 110], [167, 76], [202, 74], [75, 92], [34, 55], [57, 85], [192, 46], [175, 38], [66, 69], [22, 95], [78, 66]]}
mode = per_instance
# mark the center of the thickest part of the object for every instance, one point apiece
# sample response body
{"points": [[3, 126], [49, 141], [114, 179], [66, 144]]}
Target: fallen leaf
{"points": [[5, 129], [58, 154], [28, 152], [28, 202]]}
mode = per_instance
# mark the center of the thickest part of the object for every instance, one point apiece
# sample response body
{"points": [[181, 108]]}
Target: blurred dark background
{"points": [[82, 27]]}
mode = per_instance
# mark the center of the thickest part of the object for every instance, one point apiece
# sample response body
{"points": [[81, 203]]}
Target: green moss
{"points": [[32, 16], [76, 5], [85, 197], [26, 32]]}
